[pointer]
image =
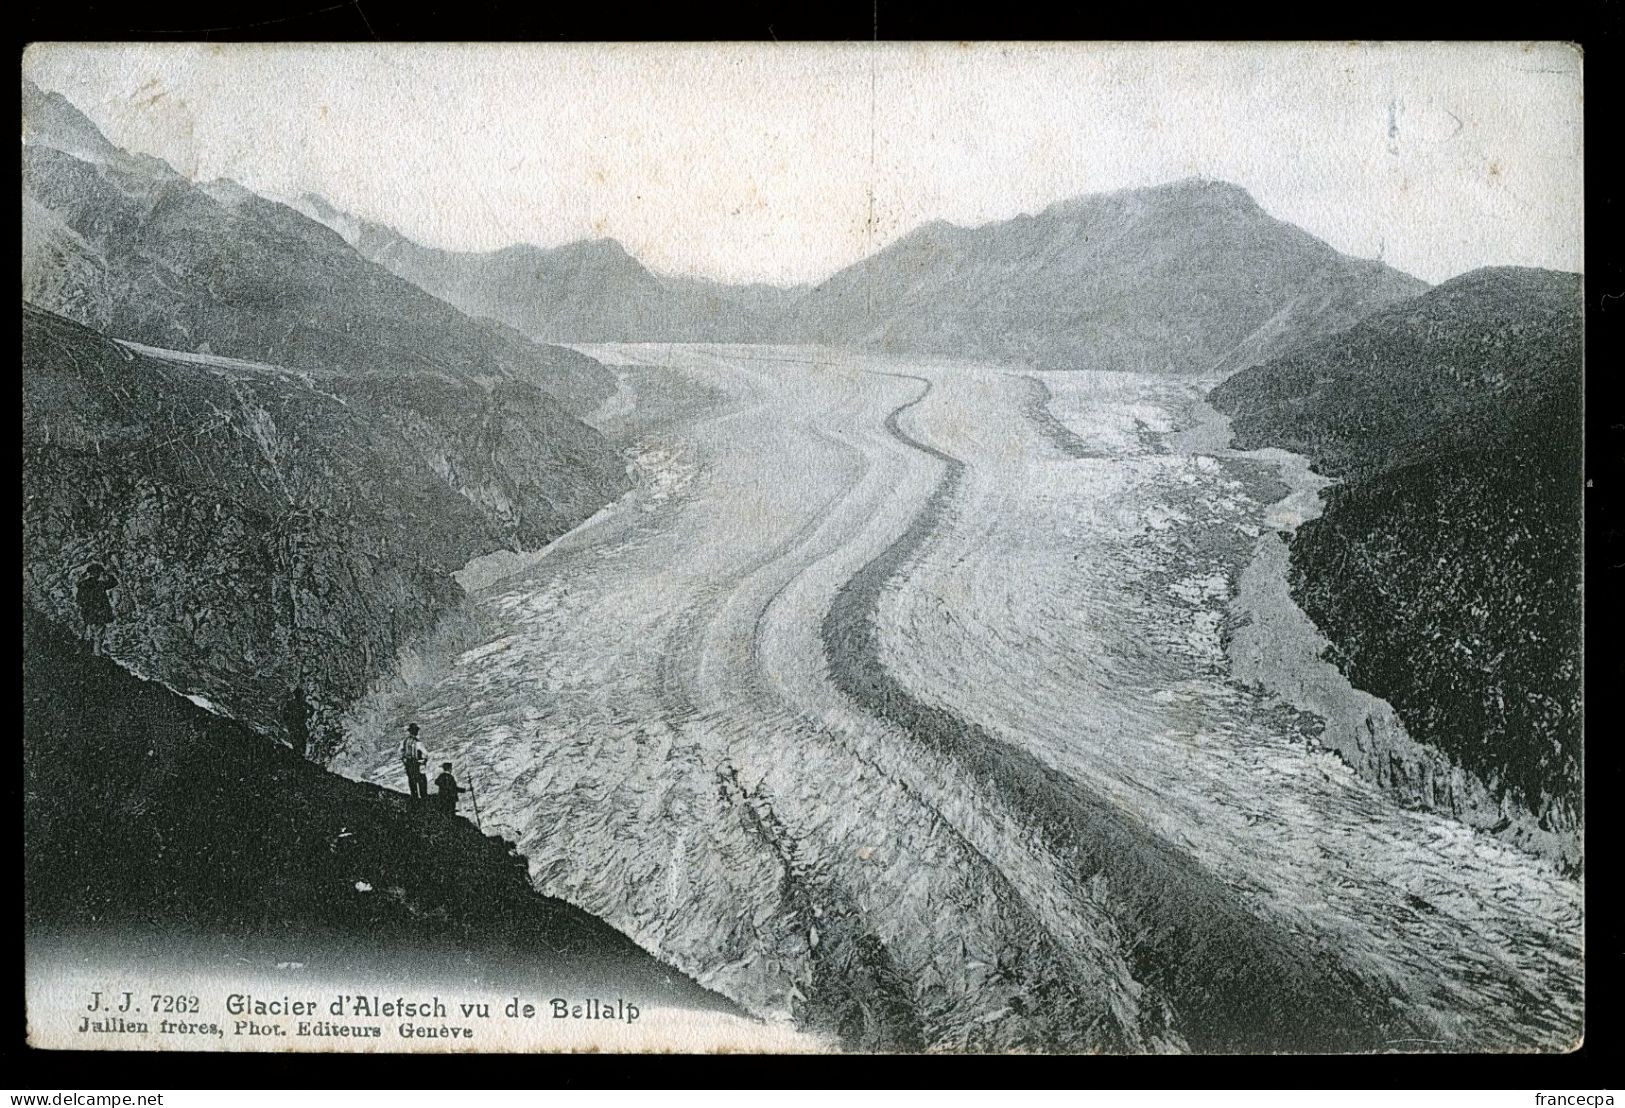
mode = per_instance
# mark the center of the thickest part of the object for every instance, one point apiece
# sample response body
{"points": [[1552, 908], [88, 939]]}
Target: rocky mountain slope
{"points": [[590, 291], [274, 530], [1187, 277], [126, 245], [1446, 568], [302, 449], [145, 815]]}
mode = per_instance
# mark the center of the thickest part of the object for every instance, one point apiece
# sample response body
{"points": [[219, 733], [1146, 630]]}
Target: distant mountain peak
{"points": [[1507, 275], [1198, 183], [1180, 192], [227, 191], [1189, 276], [50, 119], [933, 233], [51, 122], [607, 249], [342, 223], [318, 204]]}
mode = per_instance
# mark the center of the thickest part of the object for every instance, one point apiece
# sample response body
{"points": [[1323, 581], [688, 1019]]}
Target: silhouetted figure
{"points": [[296, 720], [413, 758], [95, 608], [446, 789]]}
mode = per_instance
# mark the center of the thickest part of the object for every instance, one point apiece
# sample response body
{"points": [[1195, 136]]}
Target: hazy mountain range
{"points": [[1190, 277], [589, 291], [128, 246]]}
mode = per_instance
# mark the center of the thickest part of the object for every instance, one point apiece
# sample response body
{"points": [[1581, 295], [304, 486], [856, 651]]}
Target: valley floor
{"points": [[893, 701]]}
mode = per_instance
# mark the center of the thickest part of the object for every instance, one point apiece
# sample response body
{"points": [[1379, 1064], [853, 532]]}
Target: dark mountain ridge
{"points": [[1464, 363], [1446, 567]]}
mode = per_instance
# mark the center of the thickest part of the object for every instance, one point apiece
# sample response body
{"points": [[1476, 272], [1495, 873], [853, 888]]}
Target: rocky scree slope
{"points": [[1189, 277], [1446, 568], [146, 815], [272, 529]]}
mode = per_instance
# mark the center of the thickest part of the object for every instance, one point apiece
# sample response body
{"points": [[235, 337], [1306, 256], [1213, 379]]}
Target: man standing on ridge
{"points": [[447, 789], [413, 756]]}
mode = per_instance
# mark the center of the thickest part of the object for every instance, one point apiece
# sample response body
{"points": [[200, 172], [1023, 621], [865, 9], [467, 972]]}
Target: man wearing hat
{"points": [[447, 789], [413, 756]]}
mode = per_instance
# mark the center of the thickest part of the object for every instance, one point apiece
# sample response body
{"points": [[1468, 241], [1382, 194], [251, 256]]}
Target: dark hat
{"points": [[412, 727], [445, 765]]}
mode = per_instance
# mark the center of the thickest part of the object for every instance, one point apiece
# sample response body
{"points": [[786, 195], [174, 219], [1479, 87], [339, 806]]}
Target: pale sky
{"points": [[783, 163]]}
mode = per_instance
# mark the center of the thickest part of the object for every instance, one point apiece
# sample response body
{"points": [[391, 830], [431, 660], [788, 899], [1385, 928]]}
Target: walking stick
{"points": [[475, 797]]}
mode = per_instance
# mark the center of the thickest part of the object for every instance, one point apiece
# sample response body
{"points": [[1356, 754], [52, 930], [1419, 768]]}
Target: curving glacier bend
{"points": [[893, 701]]}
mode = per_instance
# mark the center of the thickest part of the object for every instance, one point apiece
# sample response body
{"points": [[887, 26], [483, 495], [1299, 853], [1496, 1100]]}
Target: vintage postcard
{"points": [[869, 547]]}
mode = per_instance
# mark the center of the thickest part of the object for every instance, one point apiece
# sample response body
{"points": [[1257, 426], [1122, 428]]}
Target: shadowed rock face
{"points": [[1189, 277], [149, 816], [1470, 362], [1445, 569], [270, 529], [126, 245]]}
